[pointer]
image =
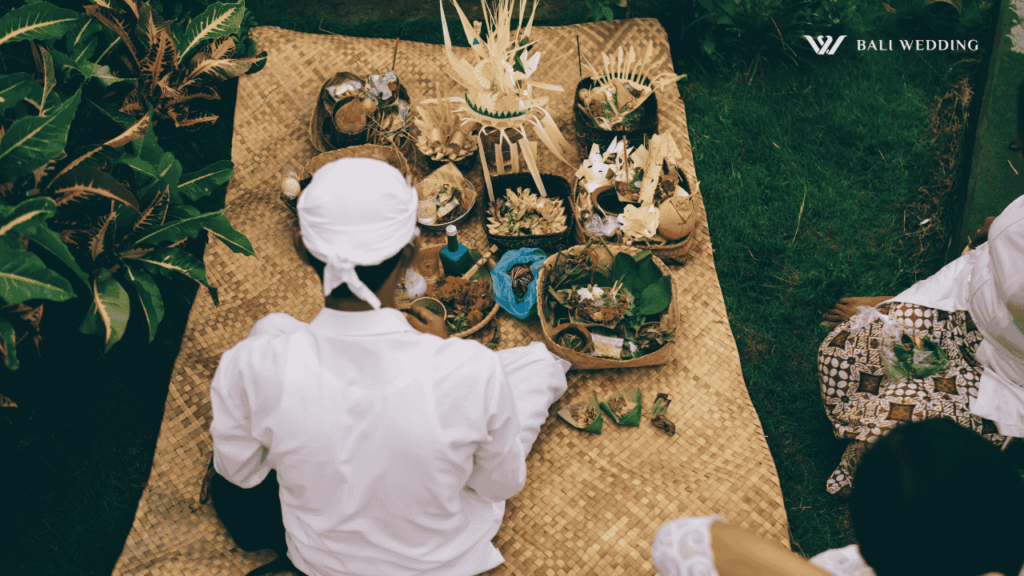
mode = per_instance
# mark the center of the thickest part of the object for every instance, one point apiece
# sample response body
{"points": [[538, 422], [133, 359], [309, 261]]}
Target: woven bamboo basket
{"points": [[387, 154], [677, 251], [323, 113], [581, 361], [555, 187], [588, 134]]}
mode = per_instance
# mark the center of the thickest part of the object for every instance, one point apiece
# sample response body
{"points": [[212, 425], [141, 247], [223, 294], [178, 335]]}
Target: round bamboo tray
{"points": [[677, 251], [581, 361], [383, 153], [588, 134], [555, 187]]}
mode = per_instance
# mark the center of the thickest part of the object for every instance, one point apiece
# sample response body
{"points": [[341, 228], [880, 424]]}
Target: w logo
{"points": [[821, 45]]}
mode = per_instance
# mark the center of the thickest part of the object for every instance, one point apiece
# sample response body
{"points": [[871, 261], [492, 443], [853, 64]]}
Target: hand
{"points": [[982, 234], [426, 321]]}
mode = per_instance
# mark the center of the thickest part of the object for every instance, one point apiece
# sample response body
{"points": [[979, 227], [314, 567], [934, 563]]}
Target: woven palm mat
{"points": [[592, 503]]}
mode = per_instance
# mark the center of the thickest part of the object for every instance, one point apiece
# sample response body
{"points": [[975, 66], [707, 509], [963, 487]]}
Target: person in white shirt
{"points": [[973, 309], [932, 499], [394, 448]]}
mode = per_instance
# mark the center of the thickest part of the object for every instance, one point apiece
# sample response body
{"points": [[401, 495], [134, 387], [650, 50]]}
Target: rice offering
{"points": [[584, 416]]}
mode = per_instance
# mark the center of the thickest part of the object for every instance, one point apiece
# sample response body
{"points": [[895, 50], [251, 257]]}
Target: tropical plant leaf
{"points": [[120, 23], [656, 297], [147, 148], [217, 20], [149, 295], [146, 27], [175, 230], [160, 59], [170, 260], [80, 43], [8, 343], [102, 237], [111, 112], [184, 119], [31, 141], [196, 185], [135, 131], [23, 276], [222, 229], [134, 102], [223, 47], [212, 70], [71, 166], [155, 213], [50, 241], [14, 88], [83, 181], [26, 215], [108, 315], [39, 21], [49, 82]]}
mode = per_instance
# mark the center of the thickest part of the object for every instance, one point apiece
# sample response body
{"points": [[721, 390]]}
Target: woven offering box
{"points": [[446, 198], [635, 195], [556, 188], [453, 295], [596, 265], [639, 125], [338, 122]]}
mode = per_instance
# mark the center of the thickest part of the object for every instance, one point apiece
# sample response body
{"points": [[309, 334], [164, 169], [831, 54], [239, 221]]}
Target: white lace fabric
{"points": [[682, 547]]}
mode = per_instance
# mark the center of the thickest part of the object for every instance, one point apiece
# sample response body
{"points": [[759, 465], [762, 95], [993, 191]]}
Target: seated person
{"points": [[394, 448], [973, 308], [932, 498]]}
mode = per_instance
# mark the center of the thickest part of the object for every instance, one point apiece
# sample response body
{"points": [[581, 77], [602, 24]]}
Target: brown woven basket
{"points": [[588, 134], [383, 153], [677, 251], [330, 138], [555, 187], [581, 361]]}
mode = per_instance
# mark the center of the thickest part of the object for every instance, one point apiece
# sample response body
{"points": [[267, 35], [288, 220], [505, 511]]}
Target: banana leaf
{"points": [[584, 416], [624, 408]]}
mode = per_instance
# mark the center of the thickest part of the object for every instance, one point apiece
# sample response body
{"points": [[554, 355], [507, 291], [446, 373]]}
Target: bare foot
{"points": [[846, 308]]}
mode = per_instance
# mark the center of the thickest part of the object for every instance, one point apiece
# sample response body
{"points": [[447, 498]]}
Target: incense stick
{"points": [[579, 58]]}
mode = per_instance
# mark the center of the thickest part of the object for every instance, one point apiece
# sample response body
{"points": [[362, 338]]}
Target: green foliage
{"points": [[601, 10], [84, 218], [174, 65]]}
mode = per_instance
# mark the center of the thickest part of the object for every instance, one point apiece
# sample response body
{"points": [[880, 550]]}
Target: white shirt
{"points": [[989, 283], [682, 547], [372, 428]]}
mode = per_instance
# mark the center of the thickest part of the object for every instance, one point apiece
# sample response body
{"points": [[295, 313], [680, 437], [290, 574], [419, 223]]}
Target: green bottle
{"points": [[455, 258]]}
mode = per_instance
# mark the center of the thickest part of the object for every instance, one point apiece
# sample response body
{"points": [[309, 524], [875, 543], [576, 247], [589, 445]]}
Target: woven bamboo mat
{"points": [[592, 503]]}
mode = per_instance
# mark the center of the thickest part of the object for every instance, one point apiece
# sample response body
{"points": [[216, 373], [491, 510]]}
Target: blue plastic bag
{"points": [[525, 307]]}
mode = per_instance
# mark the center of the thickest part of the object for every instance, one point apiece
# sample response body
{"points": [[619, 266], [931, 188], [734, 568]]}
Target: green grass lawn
{"points": [[816, 178]]}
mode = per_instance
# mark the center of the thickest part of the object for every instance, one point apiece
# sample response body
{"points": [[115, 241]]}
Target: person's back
{"points": [[372, 428]]}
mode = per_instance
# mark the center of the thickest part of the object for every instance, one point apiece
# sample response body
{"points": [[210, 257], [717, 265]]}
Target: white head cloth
{"points": [[356, 212]]}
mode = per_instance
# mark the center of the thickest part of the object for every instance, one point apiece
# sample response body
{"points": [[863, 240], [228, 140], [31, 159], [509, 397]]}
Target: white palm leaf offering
{"points": [[645, 180], [623, 84], [524, 213], [444, 134], [498, 92]]}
